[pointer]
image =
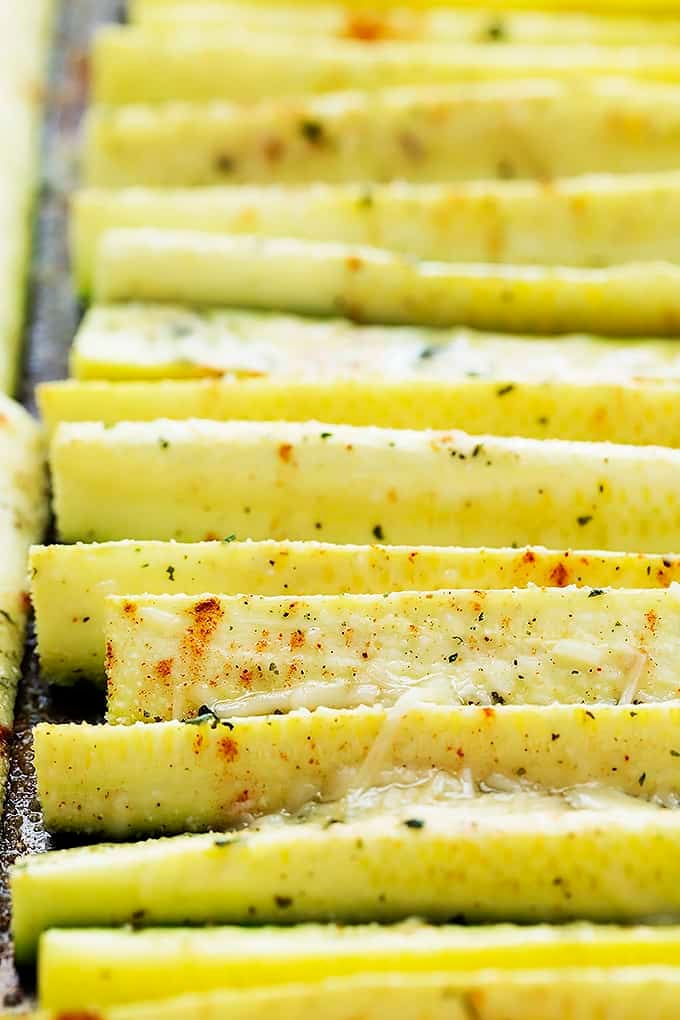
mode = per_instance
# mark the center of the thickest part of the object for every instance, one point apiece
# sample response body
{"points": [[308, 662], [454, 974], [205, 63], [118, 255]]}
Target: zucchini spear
{"points": [[27, 24], [422, 133], [130, 342], [376, 285], [69, 583], [23, 513], [406, 24], [176, 777], [285, 480], [642, 413], [134, 65], [573, 223], [435, 850], [168, 656], [589, 993], [667, 7]]}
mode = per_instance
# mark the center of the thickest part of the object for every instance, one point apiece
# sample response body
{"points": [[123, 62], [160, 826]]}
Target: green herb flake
{"points": [[414, 823], [584, 519], [224, 164], [170, 571], [505, 170], [312, 131], [594, 592], [502, 391], [204, 715], [229, 538], [496, 31], [378, 532]]}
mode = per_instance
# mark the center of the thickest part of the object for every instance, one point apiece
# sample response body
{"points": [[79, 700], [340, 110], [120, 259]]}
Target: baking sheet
{"points": [[52, 317]]}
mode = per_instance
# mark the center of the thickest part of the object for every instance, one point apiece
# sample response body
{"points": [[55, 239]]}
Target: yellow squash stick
{"points": [[638, 413], [287, 480], [129, 342], [377, 285], [135, 65], [69, 583], [168, 656], [174, 777], [402, 22], [23, 513], [21, 79], [619, 993], [656, 7], [573, 223], [517, 855], [422, 133]]}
